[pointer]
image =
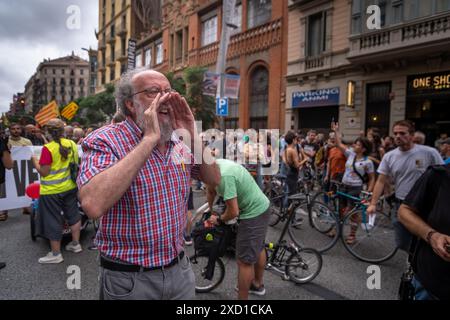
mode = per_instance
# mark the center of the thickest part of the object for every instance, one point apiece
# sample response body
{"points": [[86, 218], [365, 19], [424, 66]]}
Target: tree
{"points": [[190, 86], [97, 108]]}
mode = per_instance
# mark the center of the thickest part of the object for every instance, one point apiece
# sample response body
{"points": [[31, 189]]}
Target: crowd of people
{"points": [[144, 219]]}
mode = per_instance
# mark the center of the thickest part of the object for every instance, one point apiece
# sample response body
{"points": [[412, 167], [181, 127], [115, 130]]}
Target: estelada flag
{"points": [[70, 111], [47, 113]]}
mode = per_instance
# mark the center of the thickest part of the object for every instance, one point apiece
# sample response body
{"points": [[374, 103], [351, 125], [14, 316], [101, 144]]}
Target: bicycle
{"points": [[374, 235], [300, 265]]}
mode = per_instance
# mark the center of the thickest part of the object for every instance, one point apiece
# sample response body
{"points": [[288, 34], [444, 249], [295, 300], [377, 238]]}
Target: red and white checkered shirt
{"points": [[145, 227]]}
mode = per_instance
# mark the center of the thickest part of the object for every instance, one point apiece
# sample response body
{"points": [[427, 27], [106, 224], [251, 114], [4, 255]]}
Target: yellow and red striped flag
{"points": [[47, 113], [70, 111]]}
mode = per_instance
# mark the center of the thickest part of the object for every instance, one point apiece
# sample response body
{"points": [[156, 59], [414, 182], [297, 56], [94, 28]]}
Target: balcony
{"points": [[251, 41], [102, 45], [430, 34], [122, 32], [111, 39]]}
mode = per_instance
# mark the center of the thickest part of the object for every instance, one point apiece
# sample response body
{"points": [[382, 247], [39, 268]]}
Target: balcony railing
{"points": [[254, 40], [396, 38]]}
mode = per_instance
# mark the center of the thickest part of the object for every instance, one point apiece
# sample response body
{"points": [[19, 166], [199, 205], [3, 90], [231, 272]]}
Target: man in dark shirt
{"points": [[425, 213], [6, 162]]}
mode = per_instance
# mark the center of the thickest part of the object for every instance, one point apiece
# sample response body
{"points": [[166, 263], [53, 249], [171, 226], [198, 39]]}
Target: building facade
{"points": [[189, 35], [64, 80], [344, 68], [117, 24]]}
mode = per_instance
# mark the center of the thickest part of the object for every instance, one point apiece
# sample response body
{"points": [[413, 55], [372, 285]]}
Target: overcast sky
{"points": [[31, 30]]}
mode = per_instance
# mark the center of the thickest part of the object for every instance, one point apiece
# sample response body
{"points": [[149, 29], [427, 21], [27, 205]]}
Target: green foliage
{"points": [[190, 86], [95, 109]]}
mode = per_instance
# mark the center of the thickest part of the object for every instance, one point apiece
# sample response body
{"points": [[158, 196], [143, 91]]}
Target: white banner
{"points": [[18, 178], [12, 195]]}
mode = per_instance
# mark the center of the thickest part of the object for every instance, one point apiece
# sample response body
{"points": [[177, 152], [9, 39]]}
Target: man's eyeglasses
{"points": [[153, 92]]}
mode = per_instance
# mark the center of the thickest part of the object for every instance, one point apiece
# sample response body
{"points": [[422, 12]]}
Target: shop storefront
{"points": [[428, 103], [316, 109]]}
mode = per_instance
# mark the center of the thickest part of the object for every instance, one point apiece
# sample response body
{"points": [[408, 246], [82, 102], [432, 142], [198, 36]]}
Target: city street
{"points": [[342, 276]]}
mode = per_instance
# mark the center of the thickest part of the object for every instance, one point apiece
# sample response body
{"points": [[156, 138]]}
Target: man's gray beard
{"points": [[164, 127]]}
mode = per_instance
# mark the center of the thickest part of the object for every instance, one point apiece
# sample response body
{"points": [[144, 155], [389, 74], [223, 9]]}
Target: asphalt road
{"points": [[342, 276]]}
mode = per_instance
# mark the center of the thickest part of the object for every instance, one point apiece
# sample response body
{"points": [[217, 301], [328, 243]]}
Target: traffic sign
{"points": [[222, 107]]}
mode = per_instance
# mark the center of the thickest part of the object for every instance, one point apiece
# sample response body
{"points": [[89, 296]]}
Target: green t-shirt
{"points": [[236, 181]]}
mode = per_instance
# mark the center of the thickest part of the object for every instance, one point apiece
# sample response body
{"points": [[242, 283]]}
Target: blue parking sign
{"points": [[222, 107]]}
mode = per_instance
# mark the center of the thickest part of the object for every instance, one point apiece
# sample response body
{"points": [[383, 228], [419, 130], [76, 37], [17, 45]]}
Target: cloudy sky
{"points": [[31, 30]]}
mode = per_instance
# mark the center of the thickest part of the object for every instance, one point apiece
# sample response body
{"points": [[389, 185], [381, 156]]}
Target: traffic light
{"points": [[22, 102]]}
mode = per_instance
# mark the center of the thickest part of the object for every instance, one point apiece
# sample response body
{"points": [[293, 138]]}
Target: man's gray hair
{"points": [[124, 89]]}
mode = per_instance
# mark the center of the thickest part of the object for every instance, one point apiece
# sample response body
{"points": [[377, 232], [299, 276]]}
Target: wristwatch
{"points": [[430, 234]]}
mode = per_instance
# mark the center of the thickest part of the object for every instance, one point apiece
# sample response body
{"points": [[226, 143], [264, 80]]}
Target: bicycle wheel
{"points": [[202, 284], [319, 228], [373, 244], [303, 266], [275, 210]]}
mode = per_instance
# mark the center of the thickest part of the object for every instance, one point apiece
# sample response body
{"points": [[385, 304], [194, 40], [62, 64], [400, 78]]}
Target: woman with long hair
{"points": [[58, 192], [359, 171]]}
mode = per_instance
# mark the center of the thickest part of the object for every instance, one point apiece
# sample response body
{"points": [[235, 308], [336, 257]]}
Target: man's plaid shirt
{"points": [[145, 227]]}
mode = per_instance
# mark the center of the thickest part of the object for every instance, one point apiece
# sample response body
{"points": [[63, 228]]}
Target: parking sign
{"points": [[222, 107]]}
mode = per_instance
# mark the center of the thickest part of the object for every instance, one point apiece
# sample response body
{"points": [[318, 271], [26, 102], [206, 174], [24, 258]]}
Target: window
{"points": [[148, 57], [138, 60], [72, 73], [124, 4], [113, 53], [259, 98], [124, 46], [178, 46], [113, 9], [54, 71], [259, 12], [45, 71], [82, 71], [397, 14], [209, 31], [237, 19], [63, 71], [159, 53], [442, 5], [316, 34], [112, 74]]}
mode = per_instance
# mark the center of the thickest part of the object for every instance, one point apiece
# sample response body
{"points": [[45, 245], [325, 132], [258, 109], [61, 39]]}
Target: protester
{"points": [[58, 192], [68, 132], [404, 165], [244, 199], [445, 150], [309, 146], [336, 162], [419, 138], [425, 213], [16, 139], [359, 171], [5, 163], [33, 134], [78, 135], [388, 144], [139, 163], [443, 136]]}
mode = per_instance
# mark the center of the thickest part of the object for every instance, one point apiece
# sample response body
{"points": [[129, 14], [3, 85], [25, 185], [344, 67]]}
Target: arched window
{"points": [[259, 98]]}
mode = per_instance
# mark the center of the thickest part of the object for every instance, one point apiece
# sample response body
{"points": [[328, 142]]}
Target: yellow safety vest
{"points": [[59, 180]]}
